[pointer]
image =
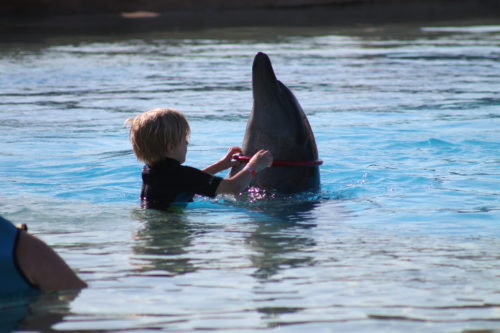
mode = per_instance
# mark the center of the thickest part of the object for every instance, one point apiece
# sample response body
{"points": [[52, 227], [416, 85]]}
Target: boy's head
{"points": [[156, 132]]}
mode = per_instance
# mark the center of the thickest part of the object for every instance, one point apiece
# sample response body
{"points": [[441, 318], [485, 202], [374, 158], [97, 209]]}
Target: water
{"points": [[404, 234]]}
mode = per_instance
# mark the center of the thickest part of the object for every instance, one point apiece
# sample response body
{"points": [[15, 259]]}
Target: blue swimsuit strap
{"points": [[12, 280]]}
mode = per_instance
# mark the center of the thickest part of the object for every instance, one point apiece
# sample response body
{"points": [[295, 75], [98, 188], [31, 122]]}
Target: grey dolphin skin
{"points": [[278, 123]]}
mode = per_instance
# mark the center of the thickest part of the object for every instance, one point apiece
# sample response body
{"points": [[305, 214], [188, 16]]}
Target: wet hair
{"points": [[155, 131]]}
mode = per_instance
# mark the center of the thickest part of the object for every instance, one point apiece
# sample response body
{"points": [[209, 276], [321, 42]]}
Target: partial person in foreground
{"points": [[159, 138], [27, 264]]}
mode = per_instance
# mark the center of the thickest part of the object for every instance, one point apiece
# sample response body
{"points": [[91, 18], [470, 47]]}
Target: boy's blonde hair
{"points": [[154, 132]]}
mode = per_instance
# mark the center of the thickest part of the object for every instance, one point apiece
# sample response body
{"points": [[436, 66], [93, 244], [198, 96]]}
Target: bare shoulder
{"points": [[43, 267]]}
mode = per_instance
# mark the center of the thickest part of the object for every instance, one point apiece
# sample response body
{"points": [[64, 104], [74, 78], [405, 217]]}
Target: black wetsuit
{"points": [[167, 181]]}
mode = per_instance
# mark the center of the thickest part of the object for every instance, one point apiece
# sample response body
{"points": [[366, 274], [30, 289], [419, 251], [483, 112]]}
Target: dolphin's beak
{"points": [[264, 80]]}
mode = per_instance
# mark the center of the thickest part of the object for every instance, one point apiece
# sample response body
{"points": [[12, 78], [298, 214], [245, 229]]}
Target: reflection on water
{"points": [[278, 246], [12, 312], [280, 239], [39, 313], [162, 244]]}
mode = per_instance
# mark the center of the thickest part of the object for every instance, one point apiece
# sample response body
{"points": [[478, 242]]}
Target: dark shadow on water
{"points": [[37, 313], [161, 244], [281, 239], [277, 246]]}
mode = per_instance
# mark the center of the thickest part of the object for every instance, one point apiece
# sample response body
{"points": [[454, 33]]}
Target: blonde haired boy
{"points": [[159, 138]]}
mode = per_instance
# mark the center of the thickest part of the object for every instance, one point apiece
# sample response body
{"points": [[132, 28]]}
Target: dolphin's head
{"points": [[277, 114], [277, 123]]}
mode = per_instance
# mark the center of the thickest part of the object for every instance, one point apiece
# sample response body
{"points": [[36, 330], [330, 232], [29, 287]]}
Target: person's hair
{"points": [[155, 131]]}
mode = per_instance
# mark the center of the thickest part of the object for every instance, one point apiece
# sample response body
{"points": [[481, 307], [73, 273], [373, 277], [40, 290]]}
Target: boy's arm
{"points": [[237, 183], [225, 163]]}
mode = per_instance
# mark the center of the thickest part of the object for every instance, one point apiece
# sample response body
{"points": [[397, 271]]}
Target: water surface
{"points": [[404, 234]]}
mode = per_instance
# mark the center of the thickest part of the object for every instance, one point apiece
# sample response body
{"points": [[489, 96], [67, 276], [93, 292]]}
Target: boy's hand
{"points": [[227, 161], [261, 160]]}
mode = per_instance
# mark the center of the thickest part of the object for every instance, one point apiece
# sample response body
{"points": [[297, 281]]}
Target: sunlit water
{"points": [[403, 236]]}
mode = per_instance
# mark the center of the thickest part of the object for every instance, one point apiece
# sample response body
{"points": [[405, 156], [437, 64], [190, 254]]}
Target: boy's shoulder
{"points": [[170, 168], [165, 164]]}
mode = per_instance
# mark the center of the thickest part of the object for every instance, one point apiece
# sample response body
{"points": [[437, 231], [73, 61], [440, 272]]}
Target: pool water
{"points": [[403, 235]]}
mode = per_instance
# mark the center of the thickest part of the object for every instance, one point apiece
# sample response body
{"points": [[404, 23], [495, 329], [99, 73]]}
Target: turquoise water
{"points": [[404, 234]]}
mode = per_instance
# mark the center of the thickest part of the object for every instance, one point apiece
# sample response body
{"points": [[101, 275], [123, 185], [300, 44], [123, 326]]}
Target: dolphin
{"points": [[278, 123]]}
